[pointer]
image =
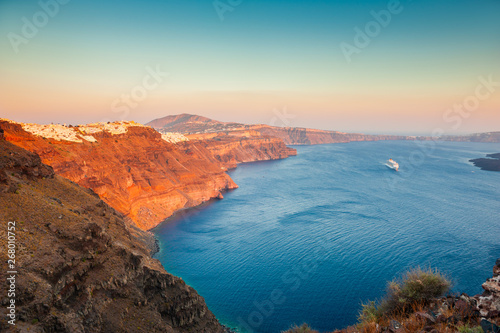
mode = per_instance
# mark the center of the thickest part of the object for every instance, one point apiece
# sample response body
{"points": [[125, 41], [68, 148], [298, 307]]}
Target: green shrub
{"points": [[369, 313], [415, 287], [304, 328], [468, 329]]}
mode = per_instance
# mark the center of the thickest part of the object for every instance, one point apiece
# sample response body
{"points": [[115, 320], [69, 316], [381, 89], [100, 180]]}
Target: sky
{"points": [[409, 66]]}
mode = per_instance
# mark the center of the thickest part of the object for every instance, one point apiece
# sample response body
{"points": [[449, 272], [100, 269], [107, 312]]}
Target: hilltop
{"points": [[189, 123]]}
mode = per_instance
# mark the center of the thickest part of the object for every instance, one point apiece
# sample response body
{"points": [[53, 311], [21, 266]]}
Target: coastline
{"points": [[132, 168], [213, 221]]}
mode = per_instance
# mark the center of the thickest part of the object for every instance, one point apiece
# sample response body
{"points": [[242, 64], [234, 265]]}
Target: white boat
{"points": [[391, 164]]}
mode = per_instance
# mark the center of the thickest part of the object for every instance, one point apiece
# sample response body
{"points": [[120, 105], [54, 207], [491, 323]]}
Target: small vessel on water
{"points": [[391, 164]]}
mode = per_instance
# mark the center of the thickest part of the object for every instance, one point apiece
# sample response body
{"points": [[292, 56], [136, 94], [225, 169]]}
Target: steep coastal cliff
{"points": [[135, 171], [233, 147], [138, 171], [81, 266]]}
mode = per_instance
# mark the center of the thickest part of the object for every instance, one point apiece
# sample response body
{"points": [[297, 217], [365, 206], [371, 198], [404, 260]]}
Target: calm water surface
{"points": [[308, 238]]}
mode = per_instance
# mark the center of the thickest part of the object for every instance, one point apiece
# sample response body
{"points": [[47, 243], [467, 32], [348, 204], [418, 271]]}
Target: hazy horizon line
{"points": [[351, 131]]}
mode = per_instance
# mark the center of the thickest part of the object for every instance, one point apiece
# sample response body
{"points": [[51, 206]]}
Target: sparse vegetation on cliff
{"points": [[414, 303], [304, 328], [416, 288]]}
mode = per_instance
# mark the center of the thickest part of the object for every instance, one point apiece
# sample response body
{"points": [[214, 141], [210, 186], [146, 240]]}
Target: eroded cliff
{"points": [[80, 265], [141, 173], [233, 147], [134, 170]]}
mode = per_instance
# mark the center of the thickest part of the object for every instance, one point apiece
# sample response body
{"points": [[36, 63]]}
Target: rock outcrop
{"points": [[490, 164], [480, 313], [488, 303], [80, 264]]}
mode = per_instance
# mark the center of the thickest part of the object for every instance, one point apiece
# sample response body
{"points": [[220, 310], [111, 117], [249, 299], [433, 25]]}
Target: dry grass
{"points": [[405, 296], [415, 287], [304, 328]]}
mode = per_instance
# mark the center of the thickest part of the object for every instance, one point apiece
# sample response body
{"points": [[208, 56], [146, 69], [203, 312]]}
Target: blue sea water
{"points": [[309, 238]]}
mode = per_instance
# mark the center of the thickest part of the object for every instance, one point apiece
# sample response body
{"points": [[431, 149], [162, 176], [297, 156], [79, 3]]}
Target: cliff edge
{"points": [[132, 167], [80, 266], [141, 173]]}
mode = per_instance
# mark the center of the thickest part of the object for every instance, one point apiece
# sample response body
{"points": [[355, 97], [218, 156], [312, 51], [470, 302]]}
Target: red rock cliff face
{"points": [[83, 268], [140, 174], [137, 172], [231, 148]]}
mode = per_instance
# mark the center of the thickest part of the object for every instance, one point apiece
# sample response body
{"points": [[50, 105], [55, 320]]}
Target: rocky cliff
{"points": [[141, 173], [488, 303], [129, 165], [80, 264], [233, 147]]}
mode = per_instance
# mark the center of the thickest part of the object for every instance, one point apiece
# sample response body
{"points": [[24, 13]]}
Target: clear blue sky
{"points": [[262, 57]]}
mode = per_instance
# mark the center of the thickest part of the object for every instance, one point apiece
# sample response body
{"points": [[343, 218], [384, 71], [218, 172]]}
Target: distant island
{"points": [[491, 163]]}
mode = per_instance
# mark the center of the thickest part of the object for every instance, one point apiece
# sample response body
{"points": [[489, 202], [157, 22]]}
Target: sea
{"points": [[310, 238]]}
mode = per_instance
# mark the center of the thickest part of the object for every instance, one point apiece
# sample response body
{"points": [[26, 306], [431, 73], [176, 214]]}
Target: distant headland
{"points": [[491, 163]]}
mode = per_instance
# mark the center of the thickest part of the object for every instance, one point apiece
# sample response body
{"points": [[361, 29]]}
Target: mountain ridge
{"points": [[189, 124]]}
